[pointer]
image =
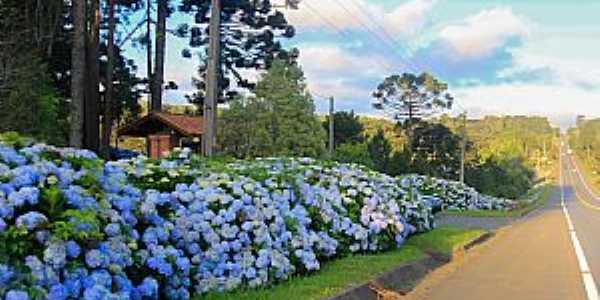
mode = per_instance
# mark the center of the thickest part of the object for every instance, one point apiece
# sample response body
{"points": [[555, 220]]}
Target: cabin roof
{"points": [[190, 126]]}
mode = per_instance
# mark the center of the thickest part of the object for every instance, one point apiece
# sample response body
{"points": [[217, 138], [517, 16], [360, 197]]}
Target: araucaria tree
{"points": [[408, 98], [250, 30]]}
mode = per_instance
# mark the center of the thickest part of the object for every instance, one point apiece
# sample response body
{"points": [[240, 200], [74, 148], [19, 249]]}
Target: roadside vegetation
{"points": [[535, 198], [584, 140], [343, 274]]}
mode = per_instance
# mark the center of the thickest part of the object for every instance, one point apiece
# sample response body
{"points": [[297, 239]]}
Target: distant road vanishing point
{"points": [[552, 254]]}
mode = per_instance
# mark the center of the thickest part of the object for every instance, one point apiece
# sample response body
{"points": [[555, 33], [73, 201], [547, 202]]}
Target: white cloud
{"points": [[480, 35], [573, 72], [407, 18], [529, 99], [331, 59]]}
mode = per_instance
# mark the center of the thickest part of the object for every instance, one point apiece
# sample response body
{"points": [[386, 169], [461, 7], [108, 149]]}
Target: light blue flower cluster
{"points": [[453, 195], [170, 229]]}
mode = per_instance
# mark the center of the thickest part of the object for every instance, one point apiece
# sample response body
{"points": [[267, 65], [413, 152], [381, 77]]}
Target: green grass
{"points": [[339, 275], [444, 240], [542, 193], [592, 178]]}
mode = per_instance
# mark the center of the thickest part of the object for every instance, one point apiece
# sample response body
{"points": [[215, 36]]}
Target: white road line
{"points": [[588, 279]]}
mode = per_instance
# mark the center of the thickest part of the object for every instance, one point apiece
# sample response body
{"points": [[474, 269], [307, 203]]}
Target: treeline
{"points": [[585, 140], [65, 79], [503, 154], [38, 41]]}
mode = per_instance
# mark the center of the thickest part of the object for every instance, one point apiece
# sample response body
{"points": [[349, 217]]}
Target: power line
{"points": [[428, 63], [384, 31], [405, 63], [341, 32]]}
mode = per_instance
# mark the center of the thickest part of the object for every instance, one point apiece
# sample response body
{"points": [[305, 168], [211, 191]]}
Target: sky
{"points": [[533, 57]]}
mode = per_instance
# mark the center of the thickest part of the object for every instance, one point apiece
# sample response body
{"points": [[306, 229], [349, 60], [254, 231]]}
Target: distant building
{"points": [[164, 132]]}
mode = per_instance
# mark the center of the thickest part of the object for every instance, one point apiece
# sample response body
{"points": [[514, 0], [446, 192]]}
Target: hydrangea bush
{"points": [[75, 227]]}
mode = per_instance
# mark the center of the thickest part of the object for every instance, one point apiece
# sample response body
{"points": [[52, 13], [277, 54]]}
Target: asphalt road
{"points": [[584, 209], [553, 253]]}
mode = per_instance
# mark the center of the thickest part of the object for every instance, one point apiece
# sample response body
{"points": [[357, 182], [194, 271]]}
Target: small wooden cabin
{"points": [[164, 132]]}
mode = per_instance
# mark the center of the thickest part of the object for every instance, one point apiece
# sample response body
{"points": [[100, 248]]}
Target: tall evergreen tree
{"points": [[348, 127], [250, 30], [280, 120], [409, 98], [380, 151]]}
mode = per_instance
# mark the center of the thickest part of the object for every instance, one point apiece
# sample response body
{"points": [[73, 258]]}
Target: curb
{"points": [[406, 277]]}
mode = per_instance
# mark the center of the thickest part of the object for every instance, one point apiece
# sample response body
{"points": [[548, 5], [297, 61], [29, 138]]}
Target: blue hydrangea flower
{"points": [[16, 295], [31, 220], [73, 249]]}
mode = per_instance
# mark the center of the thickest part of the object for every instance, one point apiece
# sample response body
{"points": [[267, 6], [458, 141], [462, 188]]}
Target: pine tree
{"points": [[280, 120], [249, 40]]}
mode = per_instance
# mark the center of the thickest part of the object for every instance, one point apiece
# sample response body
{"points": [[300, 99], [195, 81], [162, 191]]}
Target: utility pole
{"points": [[463, 145], [331, 126], [212, 81], [149, 54]]}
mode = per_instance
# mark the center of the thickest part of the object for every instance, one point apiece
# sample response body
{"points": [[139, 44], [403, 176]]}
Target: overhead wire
{"points": [[389, 43], [392, 40], [386, 43], [384, 64], [385, 32]]}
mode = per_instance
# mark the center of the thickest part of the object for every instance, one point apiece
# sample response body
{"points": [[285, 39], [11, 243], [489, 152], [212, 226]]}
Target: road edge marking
{"points": [[588, 279], [583, 180]]}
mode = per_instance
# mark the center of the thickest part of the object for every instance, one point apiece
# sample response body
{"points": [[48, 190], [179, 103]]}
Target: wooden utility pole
{"points": [[159, 54], [463, 145], [331, 126], [212, 80], [149, 54]]}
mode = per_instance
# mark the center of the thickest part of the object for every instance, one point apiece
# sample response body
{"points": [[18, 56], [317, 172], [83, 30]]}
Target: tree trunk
{"points": [[77, 73], [92, 99], [149, 53], [159, 63], [108, 98]]}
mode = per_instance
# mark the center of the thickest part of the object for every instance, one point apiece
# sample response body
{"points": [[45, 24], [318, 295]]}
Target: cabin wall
{"points": [[159, 145]]}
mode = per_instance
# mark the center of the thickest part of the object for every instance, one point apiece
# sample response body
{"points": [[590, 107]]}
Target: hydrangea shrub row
{"points": [[75, 227]]}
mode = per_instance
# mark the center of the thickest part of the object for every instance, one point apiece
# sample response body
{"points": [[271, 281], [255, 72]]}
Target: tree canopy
{"points": [[279, 120], [250, 30], [409, 97], [347, 127]]}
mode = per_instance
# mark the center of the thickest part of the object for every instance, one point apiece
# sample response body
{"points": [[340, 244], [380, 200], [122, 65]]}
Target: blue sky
{"points": [[537, 57]]}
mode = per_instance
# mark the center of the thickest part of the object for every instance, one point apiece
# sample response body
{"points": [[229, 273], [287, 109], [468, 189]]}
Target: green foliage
{"points": [[14, 139], [531, 138], [507, 178], [379, 150], [436, 150], [78, 225], [30, 105], [15, 243], [585, 140], [280, 121], [399, 163], [409, 97], [52, 202], [347, 127], [250, 40], [354, 152]]}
